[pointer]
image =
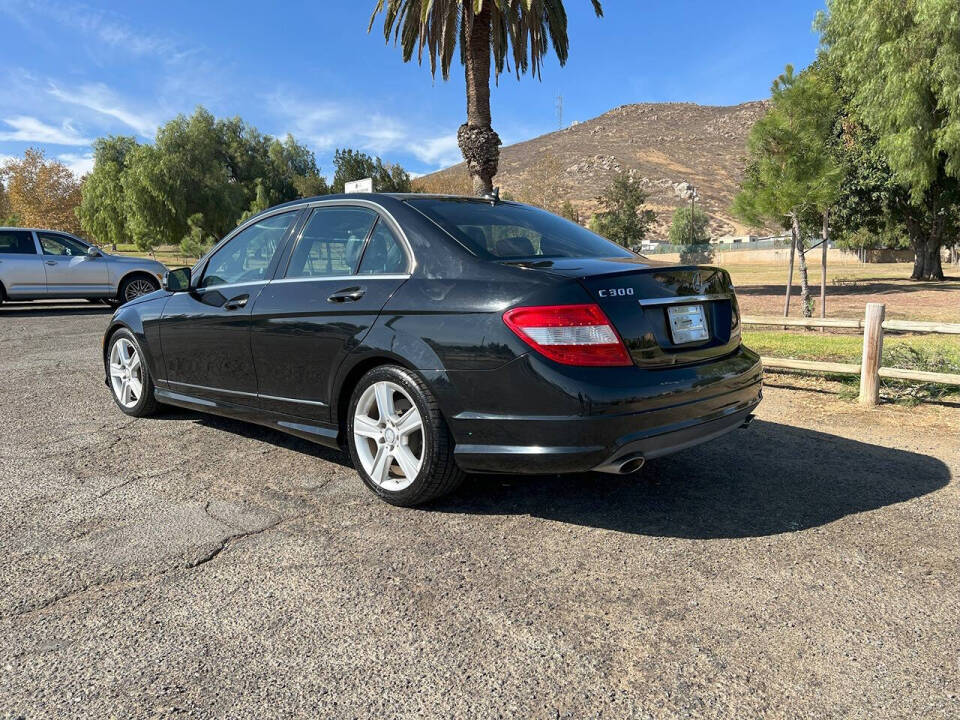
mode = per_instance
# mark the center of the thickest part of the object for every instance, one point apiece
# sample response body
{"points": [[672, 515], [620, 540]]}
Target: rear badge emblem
{"points": [[615, 292]]}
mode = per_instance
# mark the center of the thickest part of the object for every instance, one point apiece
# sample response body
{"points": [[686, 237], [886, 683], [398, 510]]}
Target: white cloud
{"points": [[78, 163], [32, 130], [106, 28], [100, 99], [439, 151], [326, 125]]}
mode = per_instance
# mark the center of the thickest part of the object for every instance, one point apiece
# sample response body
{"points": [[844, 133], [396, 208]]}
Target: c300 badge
{"points": [[615, 292]]}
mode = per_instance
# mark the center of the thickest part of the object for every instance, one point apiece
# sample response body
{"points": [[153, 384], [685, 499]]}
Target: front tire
{"points": [[135, 286], [398, 439], [131, 384]]}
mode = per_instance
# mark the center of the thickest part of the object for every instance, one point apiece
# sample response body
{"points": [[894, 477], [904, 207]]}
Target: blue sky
{"points": [[72, 72]]}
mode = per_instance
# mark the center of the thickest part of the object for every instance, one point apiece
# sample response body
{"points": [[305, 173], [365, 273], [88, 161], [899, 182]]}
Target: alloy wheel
{"points": [[126, 373], [136, 288], [388, 435]]}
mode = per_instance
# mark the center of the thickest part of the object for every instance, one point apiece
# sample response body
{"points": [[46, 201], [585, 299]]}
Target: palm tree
{"points": [[485, 29]]}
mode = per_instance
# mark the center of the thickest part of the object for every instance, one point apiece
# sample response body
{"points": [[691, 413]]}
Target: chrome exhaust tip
{"points": [[623, 465], [632, 465]]}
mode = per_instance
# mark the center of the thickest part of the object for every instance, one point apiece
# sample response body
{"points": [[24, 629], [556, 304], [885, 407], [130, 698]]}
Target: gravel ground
{"points": [[188, 566]]}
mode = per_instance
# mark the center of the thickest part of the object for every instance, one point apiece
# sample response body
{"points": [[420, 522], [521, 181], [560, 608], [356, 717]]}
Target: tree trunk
{"points": [[806, 305], [926, 250], [478, 142], [786, 299], [823, 265]]}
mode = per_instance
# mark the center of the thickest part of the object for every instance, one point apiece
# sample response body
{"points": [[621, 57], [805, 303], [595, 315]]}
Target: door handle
{"points": [[51, 262], [350, 294], [236, 303]]}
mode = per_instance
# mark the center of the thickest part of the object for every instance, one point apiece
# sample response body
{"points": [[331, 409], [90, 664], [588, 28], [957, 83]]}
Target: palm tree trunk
{"points": [[478, 142]]}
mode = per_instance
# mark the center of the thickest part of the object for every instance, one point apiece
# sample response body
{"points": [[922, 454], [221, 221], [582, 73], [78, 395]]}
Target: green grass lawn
{"points": [[834, 347]]}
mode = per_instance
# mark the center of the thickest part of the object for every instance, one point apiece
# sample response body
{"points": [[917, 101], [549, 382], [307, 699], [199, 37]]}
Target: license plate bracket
{"points": [[688, 324]]}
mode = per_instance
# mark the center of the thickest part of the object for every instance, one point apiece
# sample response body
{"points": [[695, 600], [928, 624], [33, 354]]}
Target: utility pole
{"points": [[559, 110], [693, 200], [693, 207]]}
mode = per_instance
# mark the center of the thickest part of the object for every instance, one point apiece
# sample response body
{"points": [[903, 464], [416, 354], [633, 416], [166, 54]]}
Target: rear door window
{"points": [[331, 242], [17, 242], [384, 254]]}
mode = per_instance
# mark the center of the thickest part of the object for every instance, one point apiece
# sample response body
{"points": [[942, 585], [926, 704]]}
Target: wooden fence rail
{"points": [[873, 324], [897, 325]]}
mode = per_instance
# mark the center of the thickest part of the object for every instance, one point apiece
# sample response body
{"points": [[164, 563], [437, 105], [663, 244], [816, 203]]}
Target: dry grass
{"points": [[761, 289]]}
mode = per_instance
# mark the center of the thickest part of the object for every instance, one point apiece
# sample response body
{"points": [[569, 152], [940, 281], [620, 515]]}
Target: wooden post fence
{"points": [[869, 370], [872, 353]]}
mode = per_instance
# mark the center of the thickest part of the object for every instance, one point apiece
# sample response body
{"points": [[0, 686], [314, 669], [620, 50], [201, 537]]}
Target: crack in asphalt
{"points": [[205, 556], [135, 478], [218, 547], [88, 588]]}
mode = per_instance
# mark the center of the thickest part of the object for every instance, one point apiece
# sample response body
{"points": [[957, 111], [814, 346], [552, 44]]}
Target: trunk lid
{"points": [[654, 306]]}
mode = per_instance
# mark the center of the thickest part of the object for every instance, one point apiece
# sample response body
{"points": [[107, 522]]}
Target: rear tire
{"points": [[131, 383], [398, 440]]}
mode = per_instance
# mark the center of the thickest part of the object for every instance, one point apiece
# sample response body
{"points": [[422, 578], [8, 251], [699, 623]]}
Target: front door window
{"points": [[247, 255]]}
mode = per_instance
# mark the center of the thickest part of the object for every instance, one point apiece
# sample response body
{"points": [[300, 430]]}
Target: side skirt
{"points": [[323, 433]]}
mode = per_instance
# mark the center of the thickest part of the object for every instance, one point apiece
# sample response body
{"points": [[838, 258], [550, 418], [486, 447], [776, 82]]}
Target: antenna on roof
{"points": [[493, 196]]}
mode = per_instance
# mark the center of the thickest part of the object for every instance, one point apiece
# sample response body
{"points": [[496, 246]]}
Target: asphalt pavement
{"points": [[188, 566]]}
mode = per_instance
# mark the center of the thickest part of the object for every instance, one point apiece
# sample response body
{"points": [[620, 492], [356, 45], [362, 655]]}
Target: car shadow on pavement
{"points": [[766, 480], [48, 309], [258, 432]]}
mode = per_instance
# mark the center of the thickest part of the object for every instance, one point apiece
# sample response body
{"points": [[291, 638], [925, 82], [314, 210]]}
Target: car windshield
{"points": [[509, 231]]}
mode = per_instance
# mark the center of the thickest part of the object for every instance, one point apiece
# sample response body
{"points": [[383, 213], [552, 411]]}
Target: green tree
{"points": [[260, 203], [792, 172], [900, 59], [101, 212], [201, 175], [352, 165], [501, 30], [622, 217], [689, 227], [568, 211], [195, 243]]}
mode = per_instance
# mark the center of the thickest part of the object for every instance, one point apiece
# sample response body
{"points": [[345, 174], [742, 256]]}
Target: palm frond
{"points": [[521, 31]]}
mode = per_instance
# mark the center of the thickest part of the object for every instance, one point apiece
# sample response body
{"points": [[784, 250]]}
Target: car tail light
{"points": [[569, 334]]}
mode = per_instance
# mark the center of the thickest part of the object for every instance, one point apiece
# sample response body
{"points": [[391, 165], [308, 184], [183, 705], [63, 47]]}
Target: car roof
{"points": [[374, 197], [36, 229]]}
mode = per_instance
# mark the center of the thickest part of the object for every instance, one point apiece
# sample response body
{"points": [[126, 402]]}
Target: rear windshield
{"points": [[507, 231]]}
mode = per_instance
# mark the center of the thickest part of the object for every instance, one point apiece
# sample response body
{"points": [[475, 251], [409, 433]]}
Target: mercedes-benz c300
{"points": [[433, 336]]}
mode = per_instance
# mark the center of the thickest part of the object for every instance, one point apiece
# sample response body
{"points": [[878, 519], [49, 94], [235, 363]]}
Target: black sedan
{"points": [[433, 336]]}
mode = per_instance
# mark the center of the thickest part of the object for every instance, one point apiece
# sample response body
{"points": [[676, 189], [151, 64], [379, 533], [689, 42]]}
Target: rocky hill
{"points": [[668, 146]]}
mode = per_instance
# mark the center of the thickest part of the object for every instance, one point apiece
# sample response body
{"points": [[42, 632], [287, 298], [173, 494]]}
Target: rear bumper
{"points": [[638, 412]]}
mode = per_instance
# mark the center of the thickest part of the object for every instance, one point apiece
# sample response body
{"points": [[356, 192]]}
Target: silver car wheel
{"points": [[136, 288], [388, 435], [126, 373]]}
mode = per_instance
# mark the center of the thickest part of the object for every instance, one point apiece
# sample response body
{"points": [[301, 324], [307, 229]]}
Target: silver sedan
{"points": [[37, 264]]}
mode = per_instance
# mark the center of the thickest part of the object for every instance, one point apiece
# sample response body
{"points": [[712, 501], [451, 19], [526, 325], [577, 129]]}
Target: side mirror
{"points": [[176, 280], [94, 251]]}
